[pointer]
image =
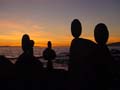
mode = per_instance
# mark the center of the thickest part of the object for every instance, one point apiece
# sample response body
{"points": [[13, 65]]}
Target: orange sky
{"points": [[14, 31]]}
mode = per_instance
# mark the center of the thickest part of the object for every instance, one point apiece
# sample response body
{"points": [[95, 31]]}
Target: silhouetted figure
{"points": [[81, 63], [104, 57], [49, 55]]}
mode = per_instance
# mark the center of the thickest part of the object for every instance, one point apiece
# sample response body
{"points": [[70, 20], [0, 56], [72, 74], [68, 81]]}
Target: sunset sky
{"points": [[46, 20]]}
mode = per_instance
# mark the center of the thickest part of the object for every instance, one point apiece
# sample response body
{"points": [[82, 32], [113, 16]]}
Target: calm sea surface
{"points": [[14, 52], [59, 63]]}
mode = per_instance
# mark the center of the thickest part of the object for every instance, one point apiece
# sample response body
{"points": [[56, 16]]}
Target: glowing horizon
{"points": [[13, 38], [46, 20]]}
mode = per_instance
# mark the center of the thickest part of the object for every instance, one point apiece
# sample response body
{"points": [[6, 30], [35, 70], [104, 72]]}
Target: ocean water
{"points": [[114, 47], [12, 53]]}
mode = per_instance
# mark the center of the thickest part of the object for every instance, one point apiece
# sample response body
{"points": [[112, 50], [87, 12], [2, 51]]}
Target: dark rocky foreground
{"points": [[56, 79]]}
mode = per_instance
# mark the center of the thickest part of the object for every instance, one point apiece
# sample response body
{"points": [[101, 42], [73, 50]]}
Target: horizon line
{"points": [[46, 45]]}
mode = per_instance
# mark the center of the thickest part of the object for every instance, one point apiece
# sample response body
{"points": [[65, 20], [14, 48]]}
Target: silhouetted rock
{"points": [[6, 68], [29, 69], [81, 63], [103, 57], [49, 55]]}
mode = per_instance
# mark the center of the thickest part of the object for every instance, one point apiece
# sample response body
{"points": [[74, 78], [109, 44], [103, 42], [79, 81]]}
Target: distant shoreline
{"points": [[114, 44]]}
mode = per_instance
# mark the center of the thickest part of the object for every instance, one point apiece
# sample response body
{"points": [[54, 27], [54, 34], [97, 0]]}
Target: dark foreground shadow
{"points": [[105, 62]]}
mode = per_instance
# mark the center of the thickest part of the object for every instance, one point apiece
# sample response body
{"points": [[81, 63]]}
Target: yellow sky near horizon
{"points": [[11, 34]]}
